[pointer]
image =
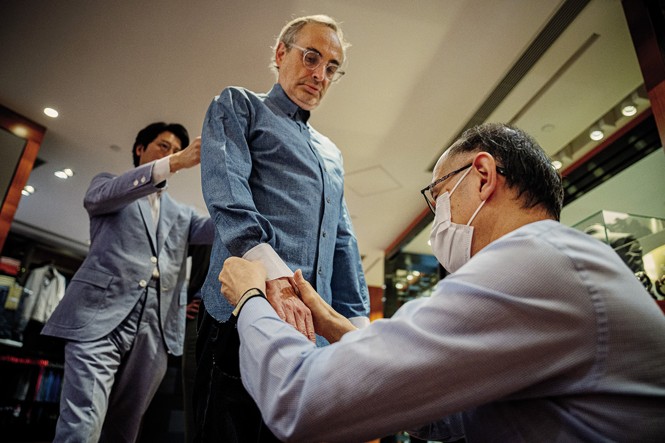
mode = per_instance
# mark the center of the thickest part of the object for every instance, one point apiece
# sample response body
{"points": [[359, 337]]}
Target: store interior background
{"points": [[418, 73]]}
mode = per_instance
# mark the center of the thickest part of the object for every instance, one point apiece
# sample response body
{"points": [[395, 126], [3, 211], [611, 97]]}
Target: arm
{"points": [[350, 294], [429, 360], [226, 170], [109, 193]]}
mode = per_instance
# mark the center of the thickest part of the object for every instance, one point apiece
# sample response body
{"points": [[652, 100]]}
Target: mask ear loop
{"points": [[460, 180], [475, 213]]}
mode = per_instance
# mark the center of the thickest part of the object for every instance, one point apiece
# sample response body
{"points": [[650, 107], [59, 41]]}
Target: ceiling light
{"points": [[595, 133], [64, 173], [28, 190], [557, 164], [399, 285], [51, 112], [628, 108]]}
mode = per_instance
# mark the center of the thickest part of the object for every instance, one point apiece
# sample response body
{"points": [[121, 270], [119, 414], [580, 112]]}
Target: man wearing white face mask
{"points": [[540, 332]]}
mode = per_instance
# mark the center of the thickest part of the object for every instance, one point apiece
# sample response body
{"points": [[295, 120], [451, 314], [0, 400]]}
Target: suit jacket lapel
{"points": [[146, 214], [167, 215]]}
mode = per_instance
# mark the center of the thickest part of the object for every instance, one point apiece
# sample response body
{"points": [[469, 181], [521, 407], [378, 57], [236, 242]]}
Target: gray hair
{"points": [[290, 32]]}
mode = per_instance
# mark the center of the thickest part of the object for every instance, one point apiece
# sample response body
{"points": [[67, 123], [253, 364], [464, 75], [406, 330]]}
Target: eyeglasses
{"points": [[312, 59], [427, 190]]}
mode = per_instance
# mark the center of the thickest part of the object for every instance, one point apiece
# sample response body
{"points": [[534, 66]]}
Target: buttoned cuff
{"points": [[161, 170], [266, 255], [359, 322]]}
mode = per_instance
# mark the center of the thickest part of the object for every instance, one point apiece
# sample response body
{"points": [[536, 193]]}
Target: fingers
{"points": [[309, 327]]}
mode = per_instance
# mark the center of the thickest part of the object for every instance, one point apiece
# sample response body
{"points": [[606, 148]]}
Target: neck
{"points": [[492, 225]]}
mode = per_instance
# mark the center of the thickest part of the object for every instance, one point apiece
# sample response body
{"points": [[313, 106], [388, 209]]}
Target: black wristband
{"points": [[250, 293]]}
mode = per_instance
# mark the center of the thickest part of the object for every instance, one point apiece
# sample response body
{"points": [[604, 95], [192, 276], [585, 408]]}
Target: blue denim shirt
{"points": [[269, 177]]}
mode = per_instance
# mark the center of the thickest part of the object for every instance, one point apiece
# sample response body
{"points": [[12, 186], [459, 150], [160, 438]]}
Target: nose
{"points": [[319, 73]]}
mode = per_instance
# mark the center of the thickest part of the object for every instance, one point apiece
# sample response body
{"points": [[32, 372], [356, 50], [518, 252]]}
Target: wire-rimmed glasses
{"points": [[312, 59]]}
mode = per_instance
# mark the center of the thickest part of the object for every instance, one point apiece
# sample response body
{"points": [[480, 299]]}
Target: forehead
{"points": [[322, 38], [443, 165], [168, 136]]}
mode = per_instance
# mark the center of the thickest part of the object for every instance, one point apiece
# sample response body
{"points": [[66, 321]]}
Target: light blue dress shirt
{"points": [[544, 335], [268, 177]]}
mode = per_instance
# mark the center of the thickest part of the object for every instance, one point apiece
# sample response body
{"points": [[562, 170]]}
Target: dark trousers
{"points": [[223, 410]]}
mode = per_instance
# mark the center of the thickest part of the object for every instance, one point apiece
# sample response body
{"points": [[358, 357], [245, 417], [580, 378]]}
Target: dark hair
{"points": [[527, 166], [148, 134]]}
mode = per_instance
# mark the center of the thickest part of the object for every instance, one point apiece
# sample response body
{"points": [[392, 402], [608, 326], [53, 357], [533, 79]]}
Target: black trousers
{"points": [[223, 410]]}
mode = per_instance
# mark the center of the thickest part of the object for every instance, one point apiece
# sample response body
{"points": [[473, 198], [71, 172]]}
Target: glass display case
{"points": [[639, 241]]}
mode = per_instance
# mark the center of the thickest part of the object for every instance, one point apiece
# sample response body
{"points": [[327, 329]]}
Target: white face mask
{"points": [[451, 242]]}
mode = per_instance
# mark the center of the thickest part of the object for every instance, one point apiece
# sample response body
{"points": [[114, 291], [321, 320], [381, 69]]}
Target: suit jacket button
{"points": [[153, 259], [136, 182], [143, 283]]}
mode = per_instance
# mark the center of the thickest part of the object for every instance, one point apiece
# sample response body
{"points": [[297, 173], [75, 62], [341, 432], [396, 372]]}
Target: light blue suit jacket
{"points": [[125, 248]]}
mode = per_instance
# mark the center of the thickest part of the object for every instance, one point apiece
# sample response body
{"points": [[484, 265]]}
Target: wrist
{"points": [[174, 163], [250, 293]]}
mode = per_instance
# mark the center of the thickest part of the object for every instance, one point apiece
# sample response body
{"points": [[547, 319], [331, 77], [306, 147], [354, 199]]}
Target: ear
{"points": [[140, 149], [280, 52], [485, 164]]}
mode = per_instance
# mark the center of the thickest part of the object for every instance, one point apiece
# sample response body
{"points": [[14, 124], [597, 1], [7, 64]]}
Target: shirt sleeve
{"points": [[436, 356], [349, 289], [266, 255], [226, 166], [161, 171]]}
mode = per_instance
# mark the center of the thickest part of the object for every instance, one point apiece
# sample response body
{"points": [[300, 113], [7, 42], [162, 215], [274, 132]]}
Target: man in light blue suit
{"points": [[124, 310]]}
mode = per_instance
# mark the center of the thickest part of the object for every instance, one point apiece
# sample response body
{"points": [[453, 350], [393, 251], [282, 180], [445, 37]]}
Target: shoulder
{"points": [[238, 93]]}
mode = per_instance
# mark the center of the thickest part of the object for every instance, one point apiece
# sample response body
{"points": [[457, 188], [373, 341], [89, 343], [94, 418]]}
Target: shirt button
{"points": [[324, 233], [136, 182], [153, 259], [143, 283], [327, 199], [142, 179], [320, 271]]}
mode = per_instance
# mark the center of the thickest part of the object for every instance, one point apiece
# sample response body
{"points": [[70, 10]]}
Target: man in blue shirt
{"points": [[275, 188]]}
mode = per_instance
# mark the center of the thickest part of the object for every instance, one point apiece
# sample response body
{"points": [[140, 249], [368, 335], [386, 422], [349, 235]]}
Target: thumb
{"points": [[304, 287]]}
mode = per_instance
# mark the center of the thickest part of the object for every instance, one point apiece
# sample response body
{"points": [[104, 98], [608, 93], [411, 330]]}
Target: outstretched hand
{"points": [[239, 275], [327, 322], [282, 295]]}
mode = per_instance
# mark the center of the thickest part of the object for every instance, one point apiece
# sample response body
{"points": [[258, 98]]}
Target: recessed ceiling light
{"points": [[28, 190], [51, 112], [596, 134], [629, 110], [68, 171], [557, 164], [61, 174]]}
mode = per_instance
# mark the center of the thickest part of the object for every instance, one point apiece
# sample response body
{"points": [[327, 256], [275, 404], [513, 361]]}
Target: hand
{"points": [[193, 308], [327, 322], [188, 157], [282, 296], [239, 275]]}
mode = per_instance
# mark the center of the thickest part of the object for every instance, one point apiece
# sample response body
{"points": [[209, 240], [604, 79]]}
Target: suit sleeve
{"points": [[109, 193]]}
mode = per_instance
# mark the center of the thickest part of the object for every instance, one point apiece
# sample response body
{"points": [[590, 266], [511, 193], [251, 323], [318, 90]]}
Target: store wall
{"points": [[638, 190]]}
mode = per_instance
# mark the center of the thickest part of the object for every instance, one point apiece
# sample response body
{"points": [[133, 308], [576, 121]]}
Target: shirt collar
{"points": [[284, 103]]}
